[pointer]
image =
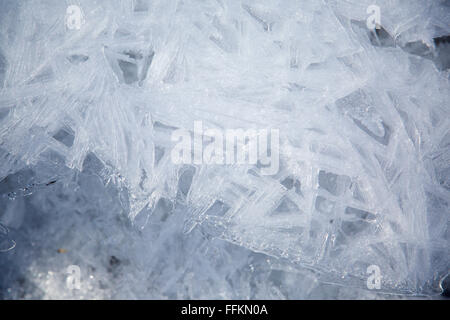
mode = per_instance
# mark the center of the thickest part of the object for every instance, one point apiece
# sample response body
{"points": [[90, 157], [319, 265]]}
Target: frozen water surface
{"points": [[92, 91]]}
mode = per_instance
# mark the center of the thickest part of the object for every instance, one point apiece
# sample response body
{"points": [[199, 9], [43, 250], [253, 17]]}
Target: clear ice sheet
{"points": [[86, 118]]}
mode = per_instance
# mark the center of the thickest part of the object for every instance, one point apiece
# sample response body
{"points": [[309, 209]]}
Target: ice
{"points": [[87, 116], [6, 243]]}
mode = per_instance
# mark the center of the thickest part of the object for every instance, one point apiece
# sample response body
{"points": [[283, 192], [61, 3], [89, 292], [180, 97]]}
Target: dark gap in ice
{"points": [[65, 136], [218, 209], [3, 67], [159, 153], [140, 5], [442, 59], [115, 264], [288, 183], [147, 63], [356, 192], [92, 164], [4, 113], [418, 48], [298, 187], [130, 66], [359, 106], [328, 181], [333, 183], [384, 140], [185, 181], [442, 40], [162, 211], [381, 38], [361, 214], [324, 205], [444, 178], [77, 58], [159, 125], [114, 261], [129, 71], [352, 228], [287, 206]]}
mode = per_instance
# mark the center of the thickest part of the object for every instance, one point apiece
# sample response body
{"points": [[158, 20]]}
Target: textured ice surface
{"points": [[86, 176]]}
